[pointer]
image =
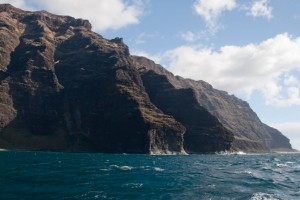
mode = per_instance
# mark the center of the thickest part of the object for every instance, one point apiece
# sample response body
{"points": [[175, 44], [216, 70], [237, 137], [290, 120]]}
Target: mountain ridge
{"points": [[64, 87]]}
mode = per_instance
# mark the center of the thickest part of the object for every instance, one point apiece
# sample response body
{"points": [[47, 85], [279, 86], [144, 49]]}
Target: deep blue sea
{"points": [[49, 175]]}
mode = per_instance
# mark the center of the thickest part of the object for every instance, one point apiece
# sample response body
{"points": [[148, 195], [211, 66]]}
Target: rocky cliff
{"points": [[250, 134], [64, 87]]}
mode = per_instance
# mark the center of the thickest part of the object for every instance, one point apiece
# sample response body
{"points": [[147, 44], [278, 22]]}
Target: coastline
{"points": [[183, 153]]}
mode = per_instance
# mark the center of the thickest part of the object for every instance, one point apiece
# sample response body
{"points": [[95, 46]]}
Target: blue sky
{"points": [[250, 48]]}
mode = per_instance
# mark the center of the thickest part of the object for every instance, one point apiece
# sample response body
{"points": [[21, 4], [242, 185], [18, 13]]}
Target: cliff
{"points": [[250, 134], [64, 87]]}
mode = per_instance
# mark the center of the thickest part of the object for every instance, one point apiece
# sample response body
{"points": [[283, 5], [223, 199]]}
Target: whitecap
{"points": [[134, 185], [158, 169], [290, 162], [104, 170], [263, 196], [124, 168], [231, 153], [267, 168], [240, 153], [281, 165]]}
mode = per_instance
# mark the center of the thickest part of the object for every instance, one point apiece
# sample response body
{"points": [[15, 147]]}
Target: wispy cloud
{"points": [[210, 11], [261, 9], [144, 37], [190, 36], [244, 69], [104, 14]]}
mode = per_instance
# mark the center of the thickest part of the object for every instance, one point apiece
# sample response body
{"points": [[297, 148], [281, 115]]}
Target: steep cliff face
{"points": [[64, 87], [250, 134], [204, 133]]}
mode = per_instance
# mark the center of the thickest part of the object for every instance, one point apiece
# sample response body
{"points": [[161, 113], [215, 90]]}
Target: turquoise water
{"points": [[48, 175]]}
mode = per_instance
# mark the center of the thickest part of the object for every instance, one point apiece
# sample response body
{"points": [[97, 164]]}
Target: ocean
{"points": [[51, 175]]}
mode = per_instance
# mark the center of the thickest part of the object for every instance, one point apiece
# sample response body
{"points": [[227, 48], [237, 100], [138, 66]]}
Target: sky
{"points": [[249, 48]]}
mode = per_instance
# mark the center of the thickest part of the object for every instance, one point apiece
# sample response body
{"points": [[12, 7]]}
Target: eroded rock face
{"points": [[64, 87], [250, 134]]}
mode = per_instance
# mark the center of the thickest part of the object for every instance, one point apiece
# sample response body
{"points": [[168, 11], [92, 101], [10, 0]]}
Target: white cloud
{"points": [[261, 9], [244, 69], [292, 131], [210, 10], [104, 14]]}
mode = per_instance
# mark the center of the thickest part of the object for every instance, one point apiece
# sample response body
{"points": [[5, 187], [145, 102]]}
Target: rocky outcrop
{"points": [[250, 134], [64, 87]]}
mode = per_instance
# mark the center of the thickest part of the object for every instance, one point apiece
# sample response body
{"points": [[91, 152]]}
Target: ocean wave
{"points": [[263, 196], [134, 185], [123, 168], [231, 153], [158, 169], [276, 159], [105, 170], [280, 165], [129, 168], [288, 163], [248, 172], [167, 153]]}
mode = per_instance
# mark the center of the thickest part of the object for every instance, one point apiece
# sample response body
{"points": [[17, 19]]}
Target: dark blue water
{"points": [[42, 175]]}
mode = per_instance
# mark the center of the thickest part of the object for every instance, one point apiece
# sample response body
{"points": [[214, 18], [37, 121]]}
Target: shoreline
{"points": [[151, 154]]}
